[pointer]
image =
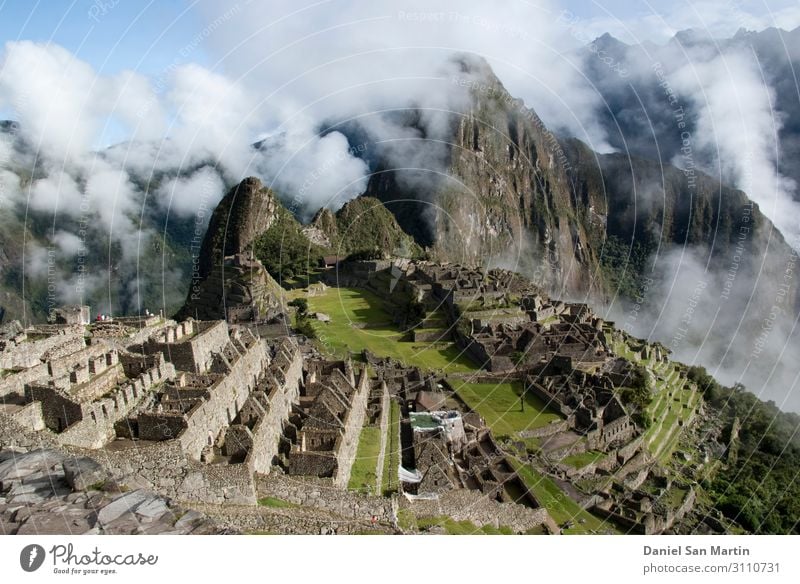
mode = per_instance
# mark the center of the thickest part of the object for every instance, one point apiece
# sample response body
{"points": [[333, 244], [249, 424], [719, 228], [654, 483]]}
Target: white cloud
{"points": [[52, 94], [69, 243], [736, 120], [333, 60], [316, 171], [56, 193], [186, 195], [658, 22]]}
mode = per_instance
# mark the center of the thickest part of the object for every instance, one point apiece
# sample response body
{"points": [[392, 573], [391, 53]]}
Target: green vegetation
{"points": [[302, 323], [561, 507], [360, 321], [453, 527], [284, 250], [391, 458], [673, 404], [301, 304], [584, 458], [758, 488], [365, 226], [362, 476], [275, 503], [624, 265], [638, 391], [413, 313], [408, 522], [501, 406], [638, 394]]}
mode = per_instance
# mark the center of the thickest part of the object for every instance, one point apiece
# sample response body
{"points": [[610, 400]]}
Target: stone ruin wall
{"points": [[224, 402], [33, 351], [385, 441], [195, 353], [651, 523], [622, 430], [348, 442], [464, 505], [318, 493], [20, 437], [611, 462], [165, 468], [62, 366], [548, 430], [267, 431], [30, 416], [181, 353], [171, 466], [313, 463], [97, 427], [211, 338], [159, 426], [91, 424], [15, 383], [223, 484], [59, 410]]}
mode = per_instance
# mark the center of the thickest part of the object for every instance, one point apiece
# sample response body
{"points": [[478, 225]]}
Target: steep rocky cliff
{"points": [[247, 211], [505, 194], [228, 282], [361, 225], [510, 193]]}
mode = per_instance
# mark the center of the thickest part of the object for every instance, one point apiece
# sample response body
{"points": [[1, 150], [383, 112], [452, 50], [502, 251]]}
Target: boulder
{"points": [[153, 508], [189, 520], [74, 521], [19, 466], [82, 473], [125, 503]]}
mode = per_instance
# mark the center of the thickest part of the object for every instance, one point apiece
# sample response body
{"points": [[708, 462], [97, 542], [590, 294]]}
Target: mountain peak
{"points": [[692, 36], [246, 211]]}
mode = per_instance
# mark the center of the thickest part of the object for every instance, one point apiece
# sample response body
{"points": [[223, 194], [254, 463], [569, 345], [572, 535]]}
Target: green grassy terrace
{"points": [[560, 506], [583, 459], [501, 407], [362, 475], [360, 321], [391, 458]]}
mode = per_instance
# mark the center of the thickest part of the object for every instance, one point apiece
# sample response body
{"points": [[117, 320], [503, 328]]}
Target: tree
{"points": [[301, 304]]}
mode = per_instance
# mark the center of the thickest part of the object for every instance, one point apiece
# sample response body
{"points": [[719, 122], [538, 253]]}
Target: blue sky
{"points": [[151, 36], [148, 35], [143, 35]]}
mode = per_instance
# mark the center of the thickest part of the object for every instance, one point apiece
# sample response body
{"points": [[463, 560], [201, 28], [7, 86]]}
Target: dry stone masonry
{"points": [[255, 428]]}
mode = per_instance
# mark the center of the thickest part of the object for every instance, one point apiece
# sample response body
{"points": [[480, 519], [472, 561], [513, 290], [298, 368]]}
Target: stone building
{"points": [[77, 391], [70, 315], [324, 428], [217, 369], [589, 402], [84, 407]]}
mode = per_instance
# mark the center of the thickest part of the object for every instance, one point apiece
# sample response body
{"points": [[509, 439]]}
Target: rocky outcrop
{"points": [[238, 290], [363, 224], [503, 193], [228, 282], [47, 492], [241, 216], [504, 190], [83, 473]]}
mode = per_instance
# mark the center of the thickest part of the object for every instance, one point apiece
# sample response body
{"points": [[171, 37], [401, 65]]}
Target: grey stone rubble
{"points": [[38, 498]]}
